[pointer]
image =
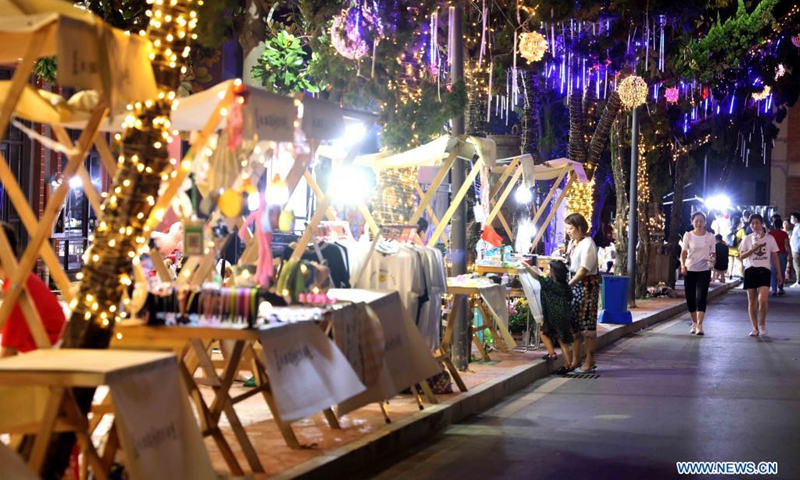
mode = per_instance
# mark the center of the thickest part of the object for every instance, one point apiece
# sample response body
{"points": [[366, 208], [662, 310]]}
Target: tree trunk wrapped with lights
{"points": [[601, 133], [621, 216], [676, 216], [531, 123], [577, 147], [122, 234], [643, 248]]}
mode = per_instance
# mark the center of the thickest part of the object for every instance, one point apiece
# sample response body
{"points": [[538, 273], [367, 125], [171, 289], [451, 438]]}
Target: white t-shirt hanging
{"points": [[698, 251], [584, 254], [761, 257]]}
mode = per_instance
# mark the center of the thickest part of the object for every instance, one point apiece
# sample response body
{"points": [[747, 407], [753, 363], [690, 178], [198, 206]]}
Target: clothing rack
{"points": [[401, 232]]}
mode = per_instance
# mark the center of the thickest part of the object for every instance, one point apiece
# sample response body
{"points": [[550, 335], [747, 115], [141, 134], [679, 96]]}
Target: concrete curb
{"points": [[405, 433]]}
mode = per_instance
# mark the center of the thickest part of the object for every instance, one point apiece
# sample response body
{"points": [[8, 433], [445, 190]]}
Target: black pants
{"points": [[696, 284]]}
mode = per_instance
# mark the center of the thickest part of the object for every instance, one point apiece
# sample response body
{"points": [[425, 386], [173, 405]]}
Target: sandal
{"points": [[591, 369], [563, 370], [549, 357]]}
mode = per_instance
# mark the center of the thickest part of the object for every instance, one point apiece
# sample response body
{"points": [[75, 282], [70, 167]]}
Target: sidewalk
{"points": [[365, 437]]}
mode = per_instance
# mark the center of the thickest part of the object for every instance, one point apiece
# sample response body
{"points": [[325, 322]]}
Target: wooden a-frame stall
{"points": [[102, 59]]}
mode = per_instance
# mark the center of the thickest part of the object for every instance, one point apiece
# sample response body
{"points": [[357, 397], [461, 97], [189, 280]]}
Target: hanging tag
{"points": [[192, 238], [480, 215]]}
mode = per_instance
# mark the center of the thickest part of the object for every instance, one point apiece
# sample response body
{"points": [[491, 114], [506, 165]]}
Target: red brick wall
{"points": [[793, 140], [793, 157]]}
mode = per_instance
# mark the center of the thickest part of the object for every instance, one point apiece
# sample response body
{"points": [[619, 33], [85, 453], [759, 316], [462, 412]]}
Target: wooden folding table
{"points": [[61, 371]]}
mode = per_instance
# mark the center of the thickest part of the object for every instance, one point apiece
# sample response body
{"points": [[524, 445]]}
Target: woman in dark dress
{"points": [[556, 296]]}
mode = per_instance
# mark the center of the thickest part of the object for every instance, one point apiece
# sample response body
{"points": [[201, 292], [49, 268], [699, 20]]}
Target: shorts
{"points": [[757, 277]]}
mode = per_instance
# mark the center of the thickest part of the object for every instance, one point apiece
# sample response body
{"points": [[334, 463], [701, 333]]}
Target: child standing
{"points": [[556, 296]]}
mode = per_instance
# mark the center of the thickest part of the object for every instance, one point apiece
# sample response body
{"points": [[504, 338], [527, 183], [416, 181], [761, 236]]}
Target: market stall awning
{"points": [[434, 153], [90, 53], [549, 170], [36, 108]]}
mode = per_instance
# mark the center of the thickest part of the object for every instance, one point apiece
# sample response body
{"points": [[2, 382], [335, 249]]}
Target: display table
{"points": [[155, 426], [193, 346], [490, 300], [484, 269]]}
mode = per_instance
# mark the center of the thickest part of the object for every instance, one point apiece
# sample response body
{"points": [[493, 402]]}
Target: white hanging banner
{"points": [[307, 372], [269, 116], [156, 425], [322, 120], [407, 359]]}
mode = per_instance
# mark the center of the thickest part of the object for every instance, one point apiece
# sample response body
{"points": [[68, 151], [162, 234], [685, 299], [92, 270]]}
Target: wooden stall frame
{"points": [[513, 170], [39, 230]]}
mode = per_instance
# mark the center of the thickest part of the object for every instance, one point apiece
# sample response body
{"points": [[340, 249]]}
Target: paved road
{"points": [[663, 396]]}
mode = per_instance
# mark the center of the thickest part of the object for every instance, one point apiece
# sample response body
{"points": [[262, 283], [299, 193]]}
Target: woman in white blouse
{"points": [[697, 258], [584, 281]]}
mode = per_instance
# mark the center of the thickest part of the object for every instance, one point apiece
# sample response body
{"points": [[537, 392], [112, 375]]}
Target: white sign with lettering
{"points": [[307, 372], [407, 359], [156, 425], [270, 116]]}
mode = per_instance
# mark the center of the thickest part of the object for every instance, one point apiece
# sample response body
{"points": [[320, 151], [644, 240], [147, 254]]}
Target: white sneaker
{"points": [[754, 333], [796, 285], [693, 329], [763, 330]]}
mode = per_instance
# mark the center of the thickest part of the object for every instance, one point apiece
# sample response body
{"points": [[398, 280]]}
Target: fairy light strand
{"points": [[122, 233]]}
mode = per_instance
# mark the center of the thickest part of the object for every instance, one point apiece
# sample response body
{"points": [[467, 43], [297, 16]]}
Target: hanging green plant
{"points": [[45, 69], [283, 66]]}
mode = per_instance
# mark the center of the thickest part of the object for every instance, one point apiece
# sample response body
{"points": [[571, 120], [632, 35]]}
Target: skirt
{"points": [[585, 295]]}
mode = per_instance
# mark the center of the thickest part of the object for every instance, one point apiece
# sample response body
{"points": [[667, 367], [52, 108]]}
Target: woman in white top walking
{"points": [[697, 258], [584, 281], [758, 250]]}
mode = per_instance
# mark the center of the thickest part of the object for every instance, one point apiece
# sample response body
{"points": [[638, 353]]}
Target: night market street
{"points": [[663, 396]]}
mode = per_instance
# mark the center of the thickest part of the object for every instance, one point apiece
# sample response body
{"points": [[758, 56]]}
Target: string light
{"points": [[763, 94], [147, 131], [580, 199], [532, 46], [633, 91], [395, 195], [672, 94], [685, 149]]}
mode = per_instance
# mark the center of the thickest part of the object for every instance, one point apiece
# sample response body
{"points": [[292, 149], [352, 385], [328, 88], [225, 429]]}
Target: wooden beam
{"points": [[506, 173], [504, 195], [434, 186], [318, 193], [549, 196], [52, 209], [431, 213], [105, 155], [540, 231], [455, 202]]}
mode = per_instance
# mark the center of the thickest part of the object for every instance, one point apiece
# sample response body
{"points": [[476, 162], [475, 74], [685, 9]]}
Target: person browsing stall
{"points": [[582, 261], [16, 335], [556, 296], [759, 252]]}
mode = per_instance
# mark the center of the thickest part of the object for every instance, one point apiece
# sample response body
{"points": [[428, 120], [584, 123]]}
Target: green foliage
{"points": [[416, 122], [726, 43], [282, 67], [518, 318], [45, 69]]}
